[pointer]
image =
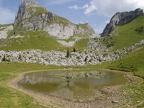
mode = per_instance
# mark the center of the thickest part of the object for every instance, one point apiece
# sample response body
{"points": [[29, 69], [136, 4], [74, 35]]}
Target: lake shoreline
{"points": [[111, 95]]}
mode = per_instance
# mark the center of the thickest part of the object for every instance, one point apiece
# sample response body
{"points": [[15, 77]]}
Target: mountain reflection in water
{"points": [[71, 85]]}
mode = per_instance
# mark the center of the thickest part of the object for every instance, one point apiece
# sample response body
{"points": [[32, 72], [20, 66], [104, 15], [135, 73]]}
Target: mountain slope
{"points": [[123, 37], [30, 40], [126, 35], [132, 62]]}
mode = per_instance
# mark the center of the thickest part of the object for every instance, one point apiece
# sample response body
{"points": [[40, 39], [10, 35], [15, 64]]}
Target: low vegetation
{"points": [[10, 33], [134, 93], [59, 20], [32, 40], [81, 44], [37, 10], [84, 26]]}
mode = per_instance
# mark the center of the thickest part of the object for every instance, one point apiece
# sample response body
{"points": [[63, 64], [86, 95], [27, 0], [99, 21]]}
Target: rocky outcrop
{"points": [[31, 16], [52, 58], [120, 19], [62, 31]]}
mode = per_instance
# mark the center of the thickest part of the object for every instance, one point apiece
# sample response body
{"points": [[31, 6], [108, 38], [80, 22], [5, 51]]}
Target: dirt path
{"points": [[111, 97]]}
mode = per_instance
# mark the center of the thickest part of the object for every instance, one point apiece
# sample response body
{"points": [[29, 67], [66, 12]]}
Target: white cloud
{"points": [[73, 7], [85, 6], [91, 8], [6, 16], [110, 7], [137, 3], [59, 1], [77, 7]]}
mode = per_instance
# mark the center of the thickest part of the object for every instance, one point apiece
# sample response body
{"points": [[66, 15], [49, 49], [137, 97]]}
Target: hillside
{"points": [[126, 35], [132, 62], [27, 40], [30, 40], [122, 38]]}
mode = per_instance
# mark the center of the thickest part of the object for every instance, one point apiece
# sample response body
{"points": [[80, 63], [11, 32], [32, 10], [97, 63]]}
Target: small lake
{"points": [[71, 85]]}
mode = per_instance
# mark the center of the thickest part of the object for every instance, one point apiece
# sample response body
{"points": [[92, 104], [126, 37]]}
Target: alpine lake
{"points": [[71, 85]]}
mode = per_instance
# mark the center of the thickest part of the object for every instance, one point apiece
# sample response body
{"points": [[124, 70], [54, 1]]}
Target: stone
{"points": [[114, 101]]}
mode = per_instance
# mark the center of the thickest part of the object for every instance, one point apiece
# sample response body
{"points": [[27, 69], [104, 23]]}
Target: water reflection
{"points": [[71, 85]]}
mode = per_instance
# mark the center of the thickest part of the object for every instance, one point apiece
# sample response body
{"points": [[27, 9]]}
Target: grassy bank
{"points": [[134, 93], [10, 98], [132, 62]]}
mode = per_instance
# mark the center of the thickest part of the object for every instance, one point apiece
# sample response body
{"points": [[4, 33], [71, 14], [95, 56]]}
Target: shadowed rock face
{"points": [[120, 19], [31, 16]]}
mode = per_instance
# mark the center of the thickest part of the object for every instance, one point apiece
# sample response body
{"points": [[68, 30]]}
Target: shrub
{"points": [[67, 54]]}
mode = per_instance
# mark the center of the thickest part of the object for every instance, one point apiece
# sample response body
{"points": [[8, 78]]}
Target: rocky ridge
{"points": [[31, 16], [120, 19]]}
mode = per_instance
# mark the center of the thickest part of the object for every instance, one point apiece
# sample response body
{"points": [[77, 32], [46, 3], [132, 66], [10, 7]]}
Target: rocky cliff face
{"points": [[31, 16], [120, 19]]}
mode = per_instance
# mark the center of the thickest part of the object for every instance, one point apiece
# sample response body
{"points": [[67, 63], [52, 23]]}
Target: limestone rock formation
{"points": [[120, 19], [31, 16]]}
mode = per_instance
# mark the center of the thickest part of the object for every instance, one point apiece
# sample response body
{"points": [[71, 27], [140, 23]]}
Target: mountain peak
{"points": [[121, 18], [30, 3], [31, 16]]}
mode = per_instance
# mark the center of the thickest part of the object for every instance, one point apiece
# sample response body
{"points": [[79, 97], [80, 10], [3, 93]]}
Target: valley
{"points": [[40, 40]]}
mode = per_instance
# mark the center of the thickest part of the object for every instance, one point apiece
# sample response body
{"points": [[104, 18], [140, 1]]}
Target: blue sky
{"points": [[95, 12]]}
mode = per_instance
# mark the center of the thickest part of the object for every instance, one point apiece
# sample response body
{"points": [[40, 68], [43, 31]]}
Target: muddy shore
{"points": [[111, 97]]}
